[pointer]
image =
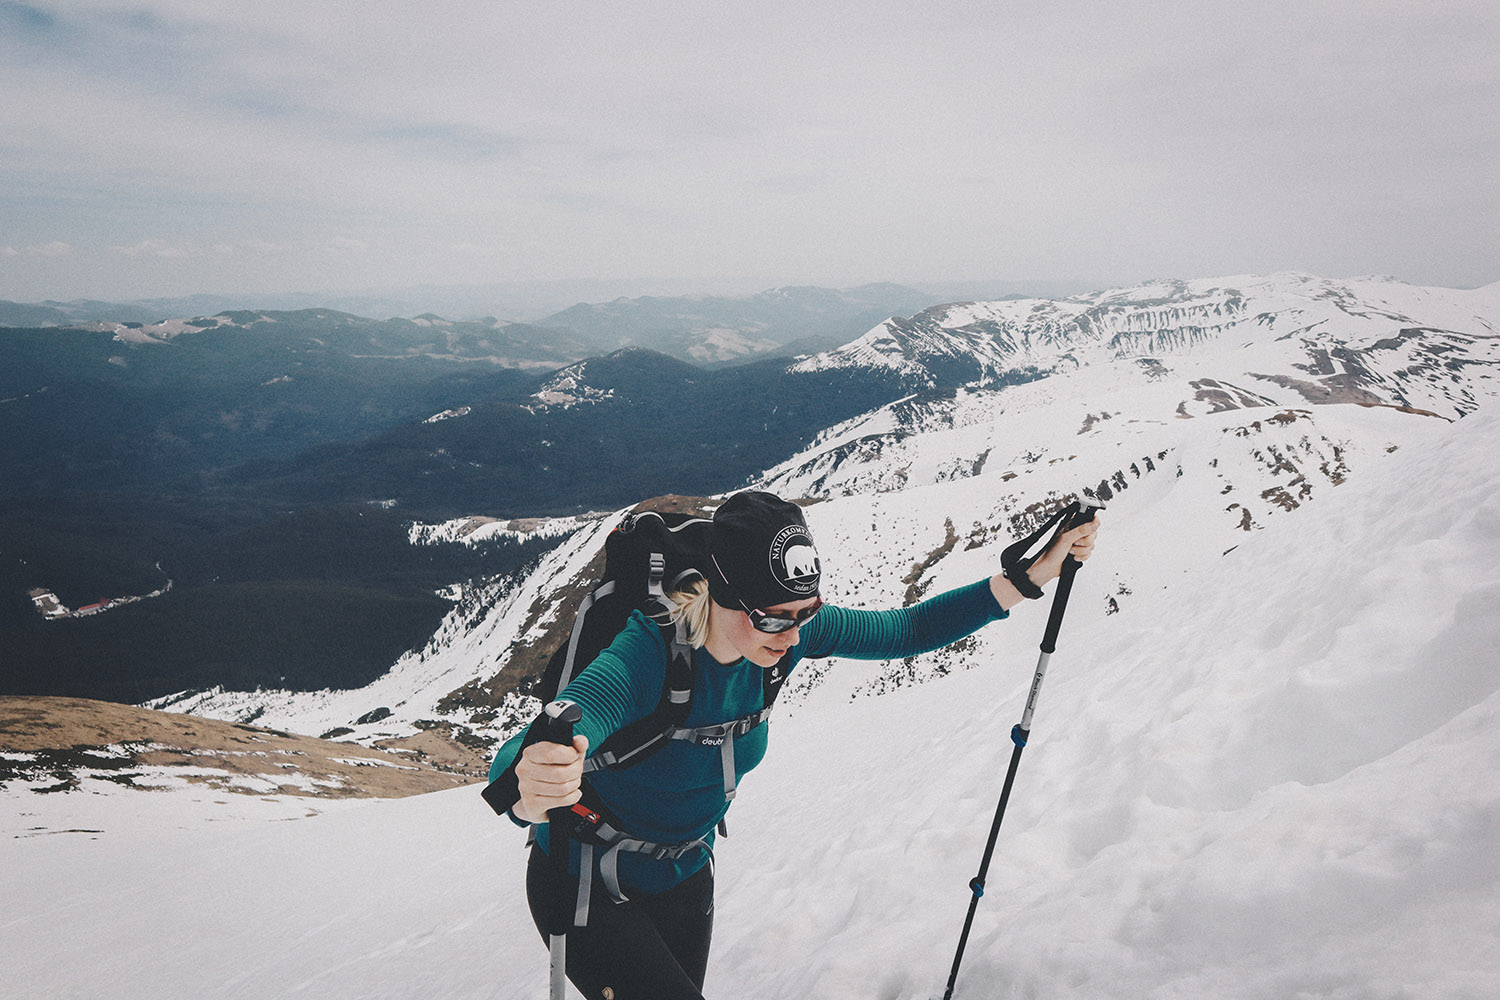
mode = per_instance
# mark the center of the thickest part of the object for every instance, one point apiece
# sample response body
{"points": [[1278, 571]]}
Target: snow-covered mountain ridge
{"points": [[1379, 326], [1275, 773], [1209, 408]]}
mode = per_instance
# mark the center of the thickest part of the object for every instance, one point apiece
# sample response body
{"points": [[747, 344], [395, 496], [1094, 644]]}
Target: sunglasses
{"points": [[764, 621]]}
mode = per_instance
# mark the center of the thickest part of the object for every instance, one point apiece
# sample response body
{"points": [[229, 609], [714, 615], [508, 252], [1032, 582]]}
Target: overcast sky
{"points": [[165, 147]]}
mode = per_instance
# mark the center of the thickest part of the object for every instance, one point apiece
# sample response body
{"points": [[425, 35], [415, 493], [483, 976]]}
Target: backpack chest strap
{"points": [[722, 736]]}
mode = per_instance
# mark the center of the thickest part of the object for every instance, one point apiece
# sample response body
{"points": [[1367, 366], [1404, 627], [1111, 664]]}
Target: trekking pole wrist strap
{"points": [[1018, 579], [1014, 560]]}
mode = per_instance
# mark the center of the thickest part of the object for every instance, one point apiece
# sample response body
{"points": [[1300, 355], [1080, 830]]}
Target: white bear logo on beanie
{"points": [[794, 561]]}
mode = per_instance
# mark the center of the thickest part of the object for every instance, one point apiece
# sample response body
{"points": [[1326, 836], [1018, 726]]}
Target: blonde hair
{"points": [[691, 609]]}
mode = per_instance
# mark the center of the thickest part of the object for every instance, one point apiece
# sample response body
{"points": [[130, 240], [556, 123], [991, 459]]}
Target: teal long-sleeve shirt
{"points": [[677, 794]]}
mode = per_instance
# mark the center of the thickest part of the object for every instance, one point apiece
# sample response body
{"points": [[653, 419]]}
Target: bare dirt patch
{"points": [[61, 739]]}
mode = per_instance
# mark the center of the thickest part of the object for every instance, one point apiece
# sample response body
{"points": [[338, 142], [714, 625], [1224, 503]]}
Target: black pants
{"points": [[650, 947]]}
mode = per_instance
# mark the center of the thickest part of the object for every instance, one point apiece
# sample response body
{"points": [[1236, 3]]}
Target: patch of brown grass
{"points": [[59, 728]]}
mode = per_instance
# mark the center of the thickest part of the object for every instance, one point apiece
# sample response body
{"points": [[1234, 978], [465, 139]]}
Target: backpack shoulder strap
{"points": [[771, 680], [640, 739]]}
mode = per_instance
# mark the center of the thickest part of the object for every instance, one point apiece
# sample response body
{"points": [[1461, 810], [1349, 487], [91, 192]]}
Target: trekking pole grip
{"points": [[1070, 569], [557, 721]]}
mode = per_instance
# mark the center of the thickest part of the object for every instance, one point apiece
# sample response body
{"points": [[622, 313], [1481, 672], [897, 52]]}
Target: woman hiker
{"points": [[759, 607]]}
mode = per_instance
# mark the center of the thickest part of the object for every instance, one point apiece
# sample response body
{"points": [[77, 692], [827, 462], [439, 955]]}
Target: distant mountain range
{"points": [[705, 330], [525, 301], [272, 465], [713, 330], [318, 406]]}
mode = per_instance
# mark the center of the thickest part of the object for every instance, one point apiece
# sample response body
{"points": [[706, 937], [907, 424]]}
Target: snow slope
{"points": [[1274, 773]]}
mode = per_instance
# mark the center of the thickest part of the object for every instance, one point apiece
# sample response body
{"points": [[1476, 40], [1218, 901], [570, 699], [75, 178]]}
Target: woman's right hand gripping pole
{"points": [[549, 776]]}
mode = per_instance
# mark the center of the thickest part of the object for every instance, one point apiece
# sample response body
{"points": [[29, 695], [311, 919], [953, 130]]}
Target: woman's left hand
{"points": [[1078, 543]]}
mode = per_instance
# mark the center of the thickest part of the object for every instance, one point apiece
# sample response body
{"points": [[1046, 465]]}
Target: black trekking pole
{"points": [[559, 717], [1080, 512]]}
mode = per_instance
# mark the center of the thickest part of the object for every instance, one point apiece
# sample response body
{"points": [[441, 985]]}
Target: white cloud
{"points": [[152, 248], [56, 248], [269, 248]]}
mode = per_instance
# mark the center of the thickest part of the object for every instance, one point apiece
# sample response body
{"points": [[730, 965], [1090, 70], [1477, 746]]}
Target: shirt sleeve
{"points": [[621, 685], [920, 628]]}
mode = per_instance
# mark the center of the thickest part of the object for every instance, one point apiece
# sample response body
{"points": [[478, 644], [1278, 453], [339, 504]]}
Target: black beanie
{"points": [[761, 553]]}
